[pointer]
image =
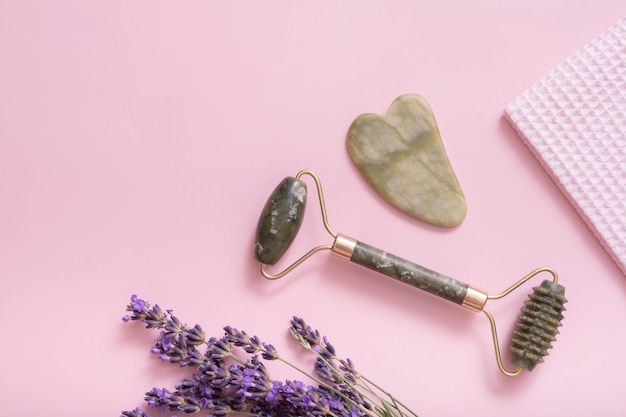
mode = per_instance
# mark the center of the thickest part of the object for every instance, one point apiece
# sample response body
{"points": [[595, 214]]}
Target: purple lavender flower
{"points": [[224, 383], [325, 365], [254, 382], [221, 411], [250, 345], [215, 374], [236, 337], [158, 397], [173, 326], [141, 310], [138, 308], [327, 371], [273, 395], [269, 352], [310, 338], [218, 349], [190, 387], [347, 366], [195, 336], [154, 317], [134, 413], [137, 303]]}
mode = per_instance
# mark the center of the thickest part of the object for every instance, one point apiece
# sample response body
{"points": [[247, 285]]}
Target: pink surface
{"points": [[139, 141]]}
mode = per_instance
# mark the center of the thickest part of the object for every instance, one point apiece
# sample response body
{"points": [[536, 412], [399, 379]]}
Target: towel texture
{"points": [[574, 121]]}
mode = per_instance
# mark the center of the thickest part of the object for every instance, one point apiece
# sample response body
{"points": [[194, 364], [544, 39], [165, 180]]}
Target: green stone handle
{"points": [[409, 273], [280, 220]]}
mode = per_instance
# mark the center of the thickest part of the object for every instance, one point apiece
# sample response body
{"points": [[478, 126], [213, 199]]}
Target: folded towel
{"points": [[574, 121]]}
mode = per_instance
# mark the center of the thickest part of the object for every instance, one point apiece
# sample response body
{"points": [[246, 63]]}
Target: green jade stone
{"points": [[409, 273], [280, 220], [401, 155], [537, 325]]}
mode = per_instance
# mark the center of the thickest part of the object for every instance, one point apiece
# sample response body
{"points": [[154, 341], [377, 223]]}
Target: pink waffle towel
{"points": [[574, 121]]}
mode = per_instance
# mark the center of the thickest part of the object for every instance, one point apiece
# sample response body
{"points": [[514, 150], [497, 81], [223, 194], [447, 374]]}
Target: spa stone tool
{"points": [[537, 324], [402, 157]]}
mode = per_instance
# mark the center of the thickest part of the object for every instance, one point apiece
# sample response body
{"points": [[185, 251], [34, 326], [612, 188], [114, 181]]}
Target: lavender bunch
{"points": [[230, 376]]}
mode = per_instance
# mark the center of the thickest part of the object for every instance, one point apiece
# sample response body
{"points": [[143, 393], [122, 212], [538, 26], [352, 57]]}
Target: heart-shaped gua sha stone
{"points": [[402, 156]]}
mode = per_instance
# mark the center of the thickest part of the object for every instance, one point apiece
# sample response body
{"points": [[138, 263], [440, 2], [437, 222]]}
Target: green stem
{"points": [[326, 385], [395, 401], [332, 366], [316, 380]]}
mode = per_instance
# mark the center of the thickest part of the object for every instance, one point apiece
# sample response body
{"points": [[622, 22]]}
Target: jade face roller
{"points": [[537, 324]]}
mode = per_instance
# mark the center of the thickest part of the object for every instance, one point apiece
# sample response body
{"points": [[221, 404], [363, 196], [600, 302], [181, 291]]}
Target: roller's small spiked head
{"points": [[537, 325]]}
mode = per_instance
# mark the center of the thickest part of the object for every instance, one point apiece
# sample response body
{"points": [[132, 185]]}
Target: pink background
{"points": [[139, 141]]}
